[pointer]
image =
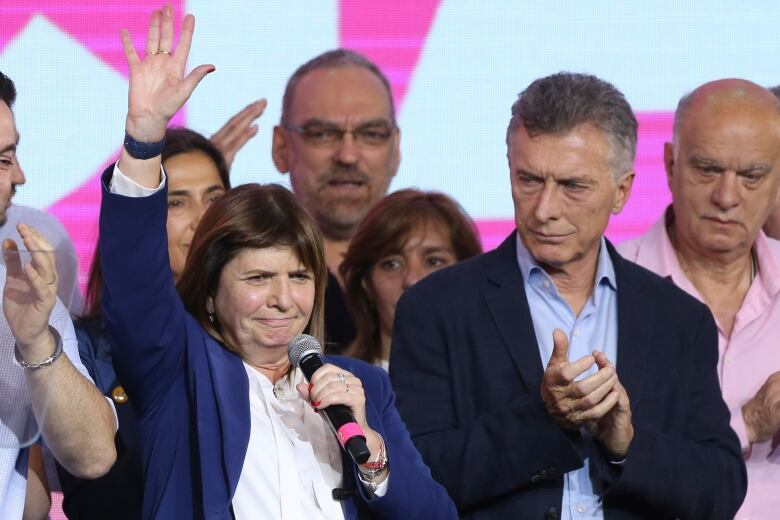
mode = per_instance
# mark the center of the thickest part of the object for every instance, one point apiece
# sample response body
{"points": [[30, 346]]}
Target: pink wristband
{"points": [[349, 430]]}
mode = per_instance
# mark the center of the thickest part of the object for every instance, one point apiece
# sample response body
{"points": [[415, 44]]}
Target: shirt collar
{"points": [[605, 271], [657, 254]]}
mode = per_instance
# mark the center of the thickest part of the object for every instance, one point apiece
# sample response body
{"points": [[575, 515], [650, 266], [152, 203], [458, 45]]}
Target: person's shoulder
{"points": [[629, 249], [35, 217], [659, 289], [774, 247]]}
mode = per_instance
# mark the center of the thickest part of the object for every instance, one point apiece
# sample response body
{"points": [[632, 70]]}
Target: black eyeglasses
{"points": [[326, 135]]}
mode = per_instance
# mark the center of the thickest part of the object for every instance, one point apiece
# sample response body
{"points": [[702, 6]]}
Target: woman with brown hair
{"points": [[228, 428], [405, 237]]}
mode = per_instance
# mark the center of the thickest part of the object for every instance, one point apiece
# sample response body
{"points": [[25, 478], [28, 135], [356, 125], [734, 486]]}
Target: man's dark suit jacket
{"points": [[467, 371]]}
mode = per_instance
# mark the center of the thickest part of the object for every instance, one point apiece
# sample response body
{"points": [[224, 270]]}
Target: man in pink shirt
{"points": [[723, 169], [772, 225]]}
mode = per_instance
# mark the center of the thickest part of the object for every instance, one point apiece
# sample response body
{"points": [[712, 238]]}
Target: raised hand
{"points": [[30, 291], [158, 86], [614, 429], [762, 413], [238, 130], [574, 403]]}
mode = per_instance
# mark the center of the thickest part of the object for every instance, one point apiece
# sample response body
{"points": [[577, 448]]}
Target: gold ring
{"points": [[165, 52]]}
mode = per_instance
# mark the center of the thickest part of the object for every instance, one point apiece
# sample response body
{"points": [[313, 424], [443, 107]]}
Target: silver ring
{"points": [[341, 377]]}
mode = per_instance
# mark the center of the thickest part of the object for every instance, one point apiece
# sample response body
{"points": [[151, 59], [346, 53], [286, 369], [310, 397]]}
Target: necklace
{"points": [[753, 266]]}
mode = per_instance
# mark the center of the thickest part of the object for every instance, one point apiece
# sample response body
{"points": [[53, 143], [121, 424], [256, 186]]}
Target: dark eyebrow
{"points": [[436, 249], [526, 173], [364, 124], [8, 148], [576, 180], [187, 193]]}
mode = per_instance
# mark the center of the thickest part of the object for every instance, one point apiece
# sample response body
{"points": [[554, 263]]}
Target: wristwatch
{"points": [[141, 150]]}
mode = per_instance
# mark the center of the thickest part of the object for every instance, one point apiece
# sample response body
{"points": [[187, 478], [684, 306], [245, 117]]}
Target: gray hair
{"points": [[331, 60], [558, 103]]}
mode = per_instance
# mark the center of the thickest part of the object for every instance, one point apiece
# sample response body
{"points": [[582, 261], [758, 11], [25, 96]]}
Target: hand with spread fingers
{"points": [[158, 85], [30, 290], [158, 88], [573, 403], [238, 131]]}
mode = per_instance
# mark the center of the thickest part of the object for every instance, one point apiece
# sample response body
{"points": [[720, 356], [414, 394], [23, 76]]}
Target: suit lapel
{"points": [[508, 306], [635, 323]]}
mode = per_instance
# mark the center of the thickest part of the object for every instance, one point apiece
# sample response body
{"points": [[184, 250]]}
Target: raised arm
{"points": [[143, 313], [76, 421], [158, 89]]}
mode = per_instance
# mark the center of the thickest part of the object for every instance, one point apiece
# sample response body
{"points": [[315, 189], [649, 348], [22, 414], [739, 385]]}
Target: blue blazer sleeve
{"points": [[470, 457], [700, 474], [145, 319], [411, 491]]}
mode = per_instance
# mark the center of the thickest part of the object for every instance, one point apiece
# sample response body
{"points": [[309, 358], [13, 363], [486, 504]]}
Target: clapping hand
{"points": [[598, 402], [30, 291]]}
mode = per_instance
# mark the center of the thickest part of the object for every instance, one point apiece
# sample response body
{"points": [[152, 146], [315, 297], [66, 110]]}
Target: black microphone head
{"points": [[301, 346]]}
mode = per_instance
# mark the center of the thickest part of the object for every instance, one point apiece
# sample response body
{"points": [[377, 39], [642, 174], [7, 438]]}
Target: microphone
{"points": [[305, 352]]}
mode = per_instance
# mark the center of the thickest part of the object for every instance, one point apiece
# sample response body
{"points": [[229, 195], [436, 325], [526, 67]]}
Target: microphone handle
{"points": [[340, 417]]}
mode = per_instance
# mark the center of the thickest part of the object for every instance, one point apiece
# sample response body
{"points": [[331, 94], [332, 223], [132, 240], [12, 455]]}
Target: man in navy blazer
{"points": [[550, 378]]}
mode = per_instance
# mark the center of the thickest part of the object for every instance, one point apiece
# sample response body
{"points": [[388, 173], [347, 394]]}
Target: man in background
{"points": [[42, 389], [723, 169], [339, 141], [772, 225]]}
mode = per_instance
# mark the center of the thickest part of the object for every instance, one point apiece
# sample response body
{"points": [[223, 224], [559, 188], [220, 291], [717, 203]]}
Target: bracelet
{"points": [[375, 468], [141, 150], [46, 362]]}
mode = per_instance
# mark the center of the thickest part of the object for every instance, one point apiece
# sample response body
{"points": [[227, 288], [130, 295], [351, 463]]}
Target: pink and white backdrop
{"points": [[455, 69]]}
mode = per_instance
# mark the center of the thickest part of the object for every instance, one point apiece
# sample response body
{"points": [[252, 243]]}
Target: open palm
{"points": [[158, 86]]}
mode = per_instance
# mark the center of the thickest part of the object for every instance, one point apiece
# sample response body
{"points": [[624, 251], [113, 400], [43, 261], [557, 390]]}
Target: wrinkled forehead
{"points": [[344, 94], [744, 128]]}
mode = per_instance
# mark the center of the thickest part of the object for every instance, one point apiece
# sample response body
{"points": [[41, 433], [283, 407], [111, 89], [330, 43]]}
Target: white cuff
{"points": [[381, 489], [123, 185]]}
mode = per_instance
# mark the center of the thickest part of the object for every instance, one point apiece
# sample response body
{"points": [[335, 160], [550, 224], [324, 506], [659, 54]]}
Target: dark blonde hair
{"points": [[384, 232], [251, 216]]}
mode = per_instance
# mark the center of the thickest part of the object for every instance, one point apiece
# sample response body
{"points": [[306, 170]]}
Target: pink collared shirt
{"points": [[747, 358]]}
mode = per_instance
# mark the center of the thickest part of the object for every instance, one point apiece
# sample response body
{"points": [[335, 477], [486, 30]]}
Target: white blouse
{"points": [[293, 460]]}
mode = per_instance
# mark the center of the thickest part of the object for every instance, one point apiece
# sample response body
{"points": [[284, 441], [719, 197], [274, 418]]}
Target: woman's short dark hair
{"points": [[251, 216], [183, 140], [384, 232]]}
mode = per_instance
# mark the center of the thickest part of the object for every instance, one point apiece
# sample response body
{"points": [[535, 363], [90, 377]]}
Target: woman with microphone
{"points": [[229, 429]]}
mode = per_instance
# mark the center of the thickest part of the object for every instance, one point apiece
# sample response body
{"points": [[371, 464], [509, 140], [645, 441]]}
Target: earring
{"points": [[212, 318]]}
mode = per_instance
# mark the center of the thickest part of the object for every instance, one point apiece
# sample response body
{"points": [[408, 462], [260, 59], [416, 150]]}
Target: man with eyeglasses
{"points": [[339, 141]]}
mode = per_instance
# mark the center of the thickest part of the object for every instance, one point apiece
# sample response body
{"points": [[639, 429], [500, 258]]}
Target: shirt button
{"points": [[546, 284], [575, 333], [580, 508]]}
